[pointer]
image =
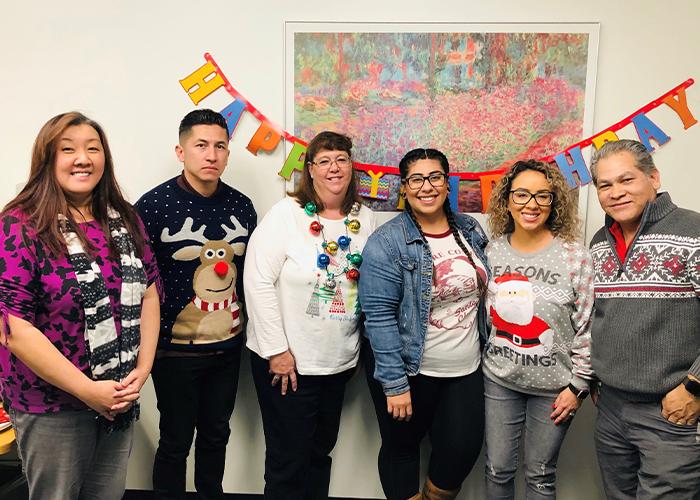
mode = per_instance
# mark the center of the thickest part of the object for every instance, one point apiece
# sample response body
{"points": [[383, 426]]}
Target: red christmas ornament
{"points": [[316, 227], [352, 275]]}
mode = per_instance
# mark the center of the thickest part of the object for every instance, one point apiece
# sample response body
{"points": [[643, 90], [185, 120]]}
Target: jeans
{"points": [[68, 455], [194, 392], [301, 429], [450, 410], [643, 456], [506, 413]]}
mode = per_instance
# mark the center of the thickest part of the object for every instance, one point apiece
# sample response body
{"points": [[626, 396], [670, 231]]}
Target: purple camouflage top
{"points": [[45, 292]]}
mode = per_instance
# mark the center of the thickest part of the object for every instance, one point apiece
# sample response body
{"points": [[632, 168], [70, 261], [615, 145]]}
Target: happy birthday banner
{"points": [[209, 78]]}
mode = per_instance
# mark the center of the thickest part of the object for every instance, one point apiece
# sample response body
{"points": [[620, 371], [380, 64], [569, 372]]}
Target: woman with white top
{"points": [[301, 275]]}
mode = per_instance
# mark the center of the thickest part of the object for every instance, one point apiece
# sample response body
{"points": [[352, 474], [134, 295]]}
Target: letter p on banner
{"points": [[204, 86], [266, 137]]}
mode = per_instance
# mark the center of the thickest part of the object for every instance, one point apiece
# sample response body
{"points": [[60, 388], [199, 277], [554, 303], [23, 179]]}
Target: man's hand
{"points": [[595, 387], [680, 406]]}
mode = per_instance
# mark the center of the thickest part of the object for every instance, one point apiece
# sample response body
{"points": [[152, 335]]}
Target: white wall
{"points": [[120, 62]]}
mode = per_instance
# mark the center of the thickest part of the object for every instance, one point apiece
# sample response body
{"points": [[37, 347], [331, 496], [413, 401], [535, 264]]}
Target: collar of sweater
{"points": [[213, 306], [653, 212]]}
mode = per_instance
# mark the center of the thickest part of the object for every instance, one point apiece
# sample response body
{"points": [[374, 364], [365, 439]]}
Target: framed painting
{"points": [[486, 95]]}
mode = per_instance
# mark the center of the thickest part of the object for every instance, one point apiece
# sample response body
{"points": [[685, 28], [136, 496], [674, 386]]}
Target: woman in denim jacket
{"points": [[424, 276]]}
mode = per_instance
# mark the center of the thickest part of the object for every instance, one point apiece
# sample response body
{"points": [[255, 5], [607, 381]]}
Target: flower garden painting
{"points": [[485, 99]]}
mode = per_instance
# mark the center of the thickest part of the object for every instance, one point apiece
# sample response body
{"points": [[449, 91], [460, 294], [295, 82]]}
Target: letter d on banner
{"points": [[204, 87]]}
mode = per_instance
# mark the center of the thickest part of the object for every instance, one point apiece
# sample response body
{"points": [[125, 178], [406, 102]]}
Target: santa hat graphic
{"points": [[513, 281]]}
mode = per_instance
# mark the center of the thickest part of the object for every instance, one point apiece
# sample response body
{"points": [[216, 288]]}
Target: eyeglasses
{"points": [[326, 163], [523, 197], [417, 181]]}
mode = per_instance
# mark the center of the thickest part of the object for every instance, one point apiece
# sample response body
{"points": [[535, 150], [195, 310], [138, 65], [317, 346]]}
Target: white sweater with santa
{"points": [[540, 311]]}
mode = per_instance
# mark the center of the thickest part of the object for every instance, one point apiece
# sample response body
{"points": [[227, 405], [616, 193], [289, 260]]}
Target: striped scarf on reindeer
{"points": [[111, 356]]}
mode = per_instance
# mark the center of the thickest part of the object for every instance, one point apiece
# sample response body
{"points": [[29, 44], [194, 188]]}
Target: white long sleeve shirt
{"points": [[288, 305]]}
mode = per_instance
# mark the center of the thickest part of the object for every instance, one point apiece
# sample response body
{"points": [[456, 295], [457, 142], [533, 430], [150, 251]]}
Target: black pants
{"points": [[194, 392], [301, 429], [450, 410]]}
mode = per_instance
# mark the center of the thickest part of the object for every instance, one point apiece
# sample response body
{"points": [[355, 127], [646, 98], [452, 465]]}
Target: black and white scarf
{"points": [[111, 357]]}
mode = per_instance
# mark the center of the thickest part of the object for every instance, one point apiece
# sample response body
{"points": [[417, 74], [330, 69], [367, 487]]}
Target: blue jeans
{"points": [[643, 456], [506, 413], [68, 455], [194, 392]]}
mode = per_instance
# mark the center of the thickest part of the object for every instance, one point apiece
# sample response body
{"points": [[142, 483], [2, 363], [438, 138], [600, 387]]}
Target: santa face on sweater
{"points": [[516, 306], [513, 316]]}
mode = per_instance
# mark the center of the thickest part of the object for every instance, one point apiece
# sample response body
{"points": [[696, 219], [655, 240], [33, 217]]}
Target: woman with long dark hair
{"points": [[424, 280], [80, 315]]}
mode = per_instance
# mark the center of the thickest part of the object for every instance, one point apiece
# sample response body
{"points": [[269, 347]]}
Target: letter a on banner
{"points": [[233, 113], [204, 87], [578, 165], [647, 129]]}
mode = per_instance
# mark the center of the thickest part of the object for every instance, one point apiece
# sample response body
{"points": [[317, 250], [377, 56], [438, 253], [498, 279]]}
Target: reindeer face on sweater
{"points": [[213, 315], [215, 278]]}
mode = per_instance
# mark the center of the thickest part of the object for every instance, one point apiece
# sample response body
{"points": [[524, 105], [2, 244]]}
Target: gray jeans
{"points": [[643, 456], [66, 455], [508, 414]]}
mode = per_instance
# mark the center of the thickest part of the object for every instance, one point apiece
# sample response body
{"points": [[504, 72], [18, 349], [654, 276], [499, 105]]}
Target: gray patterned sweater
{"points": [[540, 308], [646, 334]]}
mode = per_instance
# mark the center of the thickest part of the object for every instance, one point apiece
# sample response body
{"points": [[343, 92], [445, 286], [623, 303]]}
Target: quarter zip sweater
{"points": [[646, 332]]}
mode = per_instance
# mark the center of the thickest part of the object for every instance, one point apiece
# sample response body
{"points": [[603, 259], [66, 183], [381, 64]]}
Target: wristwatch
{"points": [[580, 393], [692, 386]]}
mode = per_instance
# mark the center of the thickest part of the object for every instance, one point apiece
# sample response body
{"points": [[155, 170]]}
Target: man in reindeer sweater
{"points": [[199, 228]]}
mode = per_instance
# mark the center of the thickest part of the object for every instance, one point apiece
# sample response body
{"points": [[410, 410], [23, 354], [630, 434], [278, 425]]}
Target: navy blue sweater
{"points": [[190, 235]]}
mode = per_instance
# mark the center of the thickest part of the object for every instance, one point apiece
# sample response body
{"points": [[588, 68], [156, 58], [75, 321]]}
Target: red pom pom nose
{"points": [[221, 268]]}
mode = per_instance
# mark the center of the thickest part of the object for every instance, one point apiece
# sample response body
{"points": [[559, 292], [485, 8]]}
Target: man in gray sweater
{"points": [[646, 332]]}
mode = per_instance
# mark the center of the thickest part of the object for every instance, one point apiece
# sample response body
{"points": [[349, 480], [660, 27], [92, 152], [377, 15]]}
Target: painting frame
{"points": [[592, 30]]}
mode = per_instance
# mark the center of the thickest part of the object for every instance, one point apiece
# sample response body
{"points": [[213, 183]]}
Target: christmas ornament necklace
{"points": [[349, 262]]}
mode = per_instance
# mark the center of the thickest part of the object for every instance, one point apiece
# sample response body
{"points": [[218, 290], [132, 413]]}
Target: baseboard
{"points": [[148, 495]]}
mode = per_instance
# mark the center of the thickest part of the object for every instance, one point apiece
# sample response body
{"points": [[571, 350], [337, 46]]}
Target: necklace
{"points": [[337, 265]]}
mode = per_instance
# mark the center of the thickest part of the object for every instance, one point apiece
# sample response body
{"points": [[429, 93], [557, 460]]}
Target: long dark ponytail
{"points": [[433, 154]]}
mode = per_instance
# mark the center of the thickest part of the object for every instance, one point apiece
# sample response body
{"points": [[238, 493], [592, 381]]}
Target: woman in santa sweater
{"points": [[537, 366]]}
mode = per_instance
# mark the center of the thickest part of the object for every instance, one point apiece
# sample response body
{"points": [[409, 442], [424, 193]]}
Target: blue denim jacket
{"points": [[397, 274]]}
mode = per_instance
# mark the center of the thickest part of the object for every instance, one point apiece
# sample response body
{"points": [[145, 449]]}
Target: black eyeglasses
{"points": [[416, 182], [523, 197]]}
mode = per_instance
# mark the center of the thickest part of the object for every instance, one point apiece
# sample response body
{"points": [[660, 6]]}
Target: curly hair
{"points": [[563, 220]]}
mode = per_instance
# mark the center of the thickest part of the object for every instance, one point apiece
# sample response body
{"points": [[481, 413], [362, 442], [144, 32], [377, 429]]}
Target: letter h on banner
{"points": [[578, 165], [204, 86]]}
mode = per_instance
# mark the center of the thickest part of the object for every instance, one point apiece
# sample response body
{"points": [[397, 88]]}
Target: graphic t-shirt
{"points": [[452, 339]]}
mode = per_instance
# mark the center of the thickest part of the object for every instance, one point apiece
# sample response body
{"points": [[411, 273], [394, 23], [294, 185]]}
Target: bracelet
{"points": [[579, 393]]}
